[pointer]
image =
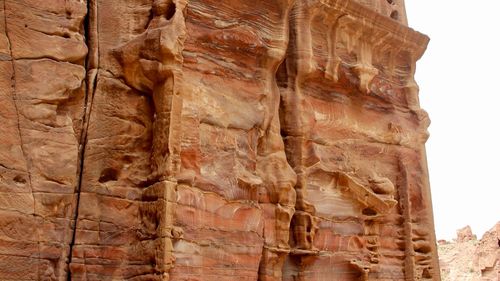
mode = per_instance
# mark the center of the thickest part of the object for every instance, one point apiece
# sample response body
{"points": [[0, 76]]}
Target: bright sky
{"points": [[458, 78]]}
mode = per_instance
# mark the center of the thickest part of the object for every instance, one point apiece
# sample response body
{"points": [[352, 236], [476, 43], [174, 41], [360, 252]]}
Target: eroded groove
{"points": [[91, 67]]}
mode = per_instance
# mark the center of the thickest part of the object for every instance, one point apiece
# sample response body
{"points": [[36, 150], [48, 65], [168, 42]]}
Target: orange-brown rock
{"points": [[212, 140]]}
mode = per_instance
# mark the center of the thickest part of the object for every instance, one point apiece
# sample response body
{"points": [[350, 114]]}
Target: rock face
{"points": [[487, 255], [470, 259], [212, 140]]}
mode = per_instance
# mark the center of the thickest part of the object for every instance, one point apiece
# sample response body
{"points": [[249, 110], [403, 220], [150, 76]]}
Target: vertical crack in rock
{"points": [[92, 68], [14, 97], [44, 54], [15, 100]]}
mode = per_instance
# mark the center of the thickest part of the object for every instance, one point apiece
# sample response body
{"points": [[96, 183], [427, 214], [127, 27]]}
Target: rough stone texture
{"points": [[465, 234], [212, 140], [487, 255], [470, 259], [42, 92]]}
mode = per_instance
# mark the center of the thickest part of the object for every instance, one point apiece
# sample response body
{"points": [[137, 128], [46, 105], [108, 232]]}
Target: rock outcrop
{"points": [[212, 140], [465, 234], [471, 259], [487, 255]]}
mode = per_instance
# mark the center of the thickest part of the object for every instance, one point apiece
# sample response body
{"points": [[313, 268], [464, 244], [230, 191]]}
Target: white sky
{"points": [[458, 78]]}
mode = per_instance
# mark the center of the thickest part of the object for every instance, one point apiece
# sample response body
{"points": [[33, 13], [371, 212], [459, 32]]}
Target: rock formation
{"points": [[470, 259], [487, 255], [465, 234], [212, 140]]}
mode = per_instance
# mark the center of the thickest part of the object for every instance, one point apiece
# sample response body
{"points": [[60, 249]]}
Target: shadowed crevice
{"points": [[91, 67]]}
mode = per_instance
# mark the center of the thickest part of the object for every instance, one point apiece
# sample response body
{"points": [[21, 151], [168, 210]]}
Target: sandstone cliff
{"points": [[212, 140]]}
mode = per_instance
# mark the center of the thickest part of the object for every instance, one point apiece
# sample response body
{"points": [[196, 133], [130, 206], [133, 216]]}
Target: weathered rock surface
{"points": [[42, 92], [471, 259], [212, 140], [487, 255], [465, 234]]}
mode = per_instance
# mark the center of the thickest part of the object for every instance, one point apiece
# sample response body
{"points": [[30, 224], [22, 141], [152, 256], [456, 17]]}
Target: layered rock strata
{"points": [[212, 140]]}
